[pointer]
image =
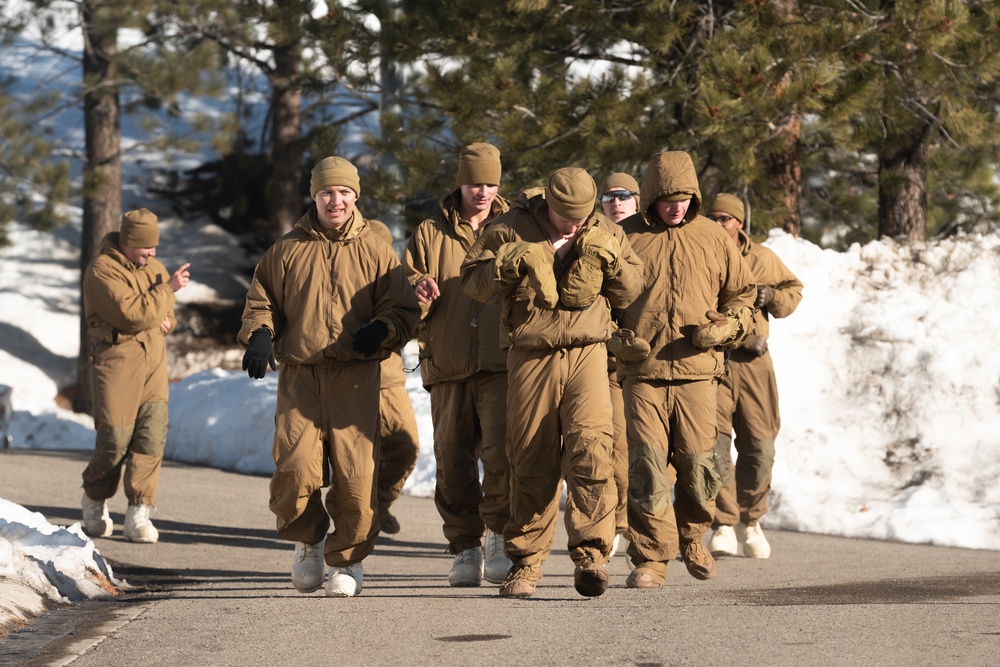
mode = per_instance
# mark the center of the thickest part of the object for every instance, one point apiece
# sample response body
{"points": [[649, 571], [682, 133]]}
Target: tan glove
{"points": [[755, 345], [518, 259], [765, 294], [625, 346], [717, 331], [598, 258]]}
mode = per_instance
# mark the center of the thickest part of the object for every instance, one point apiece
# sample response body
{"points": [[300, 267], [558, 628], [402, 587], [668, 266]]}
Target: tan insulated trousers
{"points": [[326, 434]]}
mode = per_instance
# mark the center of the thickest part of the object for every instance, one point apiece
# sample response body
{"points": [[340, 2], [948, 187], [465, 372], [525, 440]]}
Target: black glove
{"points": [[765, 294], [259, 354], [368, 338]]}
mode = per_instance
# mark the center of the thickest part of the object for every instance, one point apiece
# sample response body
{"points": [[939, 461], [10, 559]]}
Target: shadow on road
{"points": [[884, 591]]}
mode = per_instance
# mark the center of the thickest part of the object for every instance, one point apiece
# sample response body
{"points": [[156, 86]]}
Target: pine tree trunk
{"points": [[902, 187], [284, 185], [102, 172], [784, 168]]}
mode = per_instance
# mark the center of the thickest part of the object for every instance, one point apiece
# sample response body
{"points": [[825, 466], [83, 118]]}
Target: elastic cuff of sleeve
{"points": [[390, 337]]}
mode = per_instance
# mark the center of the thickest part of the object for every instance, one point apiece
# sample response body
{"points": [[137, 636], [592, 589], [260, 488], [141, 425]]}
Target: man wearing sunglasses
{"points": [[619, 196], [620, 199], [748, 397]]}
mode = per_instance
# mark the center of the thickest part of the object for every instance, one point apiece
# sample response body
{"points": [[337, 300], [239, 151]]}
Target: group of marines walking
{"points": [[609, 339]]}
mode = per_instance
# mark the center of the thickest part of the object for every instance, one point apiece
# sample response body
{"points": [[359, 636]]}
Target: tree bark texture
{"points": [[102, 171], [284, 185], [902, 187], [784, 168]]}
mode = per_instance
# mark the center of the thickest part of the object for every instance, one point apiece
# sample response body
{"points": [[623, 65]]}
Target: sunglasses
{"points": [[722, 218], [618, 194]]}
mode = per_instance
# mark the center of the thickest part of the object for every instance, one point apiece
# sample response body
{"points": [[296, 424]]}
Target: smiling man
{"points": [[329, 300]]}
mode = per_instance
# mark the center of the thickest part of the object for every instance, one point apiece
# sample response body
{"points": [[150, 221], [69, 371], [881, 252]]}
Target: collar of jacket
{"points": [[310, 224], [110, 246], [540, 210], [745, 243], [653, 220]]}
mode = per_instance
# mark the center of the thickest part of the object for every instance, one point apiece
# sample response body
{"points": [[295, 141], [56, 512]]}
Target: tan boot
{"points": [[590, 579], [520, 582], [699, 562], [645, 577]]}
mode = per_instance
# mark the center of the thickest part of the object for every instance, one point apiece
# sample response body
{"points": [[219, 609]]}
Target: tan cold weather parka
{"points": [[313, 289], [123, 301], [458, 336], [525, 323], [393, 373], [692, 268], [767, 269]]}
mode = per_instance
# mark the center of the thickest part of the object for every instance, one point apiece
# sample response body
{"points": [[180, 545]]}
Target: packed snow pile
{"points": [[41, 562], [890, 392]]}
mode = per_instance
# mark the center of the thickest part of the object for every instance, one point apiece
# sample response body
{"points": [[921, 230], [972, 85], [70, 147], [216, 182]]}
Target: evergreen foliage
{"points": [[828, 114]]}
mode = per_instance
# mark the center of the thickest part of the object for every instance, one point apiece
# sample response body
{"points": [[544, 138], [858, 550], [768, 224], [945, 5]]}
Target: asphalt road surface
{"points": [[216, 591]]}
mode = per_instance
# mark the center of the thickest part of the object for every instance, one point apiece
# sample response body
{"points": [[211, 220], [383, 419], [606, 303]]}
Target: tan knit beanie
{"points": [[479, 163], [139, 229], [620, 180], [729, 204], [571, 193], [334, 171]]}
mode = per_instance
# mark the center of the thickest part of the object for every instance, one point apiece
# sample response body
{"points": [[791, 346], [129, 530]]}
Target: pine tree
{"points": [[933, 68], [551, 84], [35, 186], [315, 67], [145, 75], [773, 71]]}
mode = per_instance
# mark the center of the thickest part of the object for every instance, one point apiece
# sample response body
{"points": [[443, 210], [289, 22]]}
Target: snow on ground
{"points": [[889, 380]]}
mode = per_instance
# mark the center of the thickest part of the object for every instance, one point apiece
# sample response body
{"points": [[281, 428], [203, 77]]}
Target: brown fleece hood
{"points": [[669, 173]]}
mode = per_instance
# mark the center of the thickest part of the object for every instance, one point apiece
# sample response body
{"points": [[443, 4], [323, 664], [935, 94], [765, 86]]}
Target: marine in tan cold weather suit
{"points": [[670, 397], [465, 371], [400, 437], [558, 404], [400, 446], [317, 292], [619, 196], [748, 393], [128, 298]]}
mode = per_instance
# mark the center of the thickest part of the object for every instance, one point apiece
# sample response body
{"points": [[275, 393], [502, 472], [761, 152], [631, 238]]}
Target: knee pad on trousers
{"points": [[696, 474], [649, 485]]}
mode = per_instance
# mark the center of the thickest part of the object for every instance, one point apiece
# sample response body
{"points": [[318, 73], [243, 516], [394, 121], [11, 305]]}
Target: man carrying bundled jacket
{"points": [[557, 267]]}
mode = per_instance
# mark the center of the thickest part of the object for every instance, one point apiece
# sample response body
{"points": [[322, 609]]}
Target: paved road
{"points": [[216, 591]]}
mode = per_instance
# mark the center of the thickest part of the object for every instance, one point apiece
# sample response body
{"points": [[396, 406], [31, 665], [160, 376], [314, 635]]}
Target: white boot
{"points": [[138, 527], [496, 564], [752, 538], [96, 520], [307, 567], [345, 582], [723, 542], [615, 545], [467, 570]]}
